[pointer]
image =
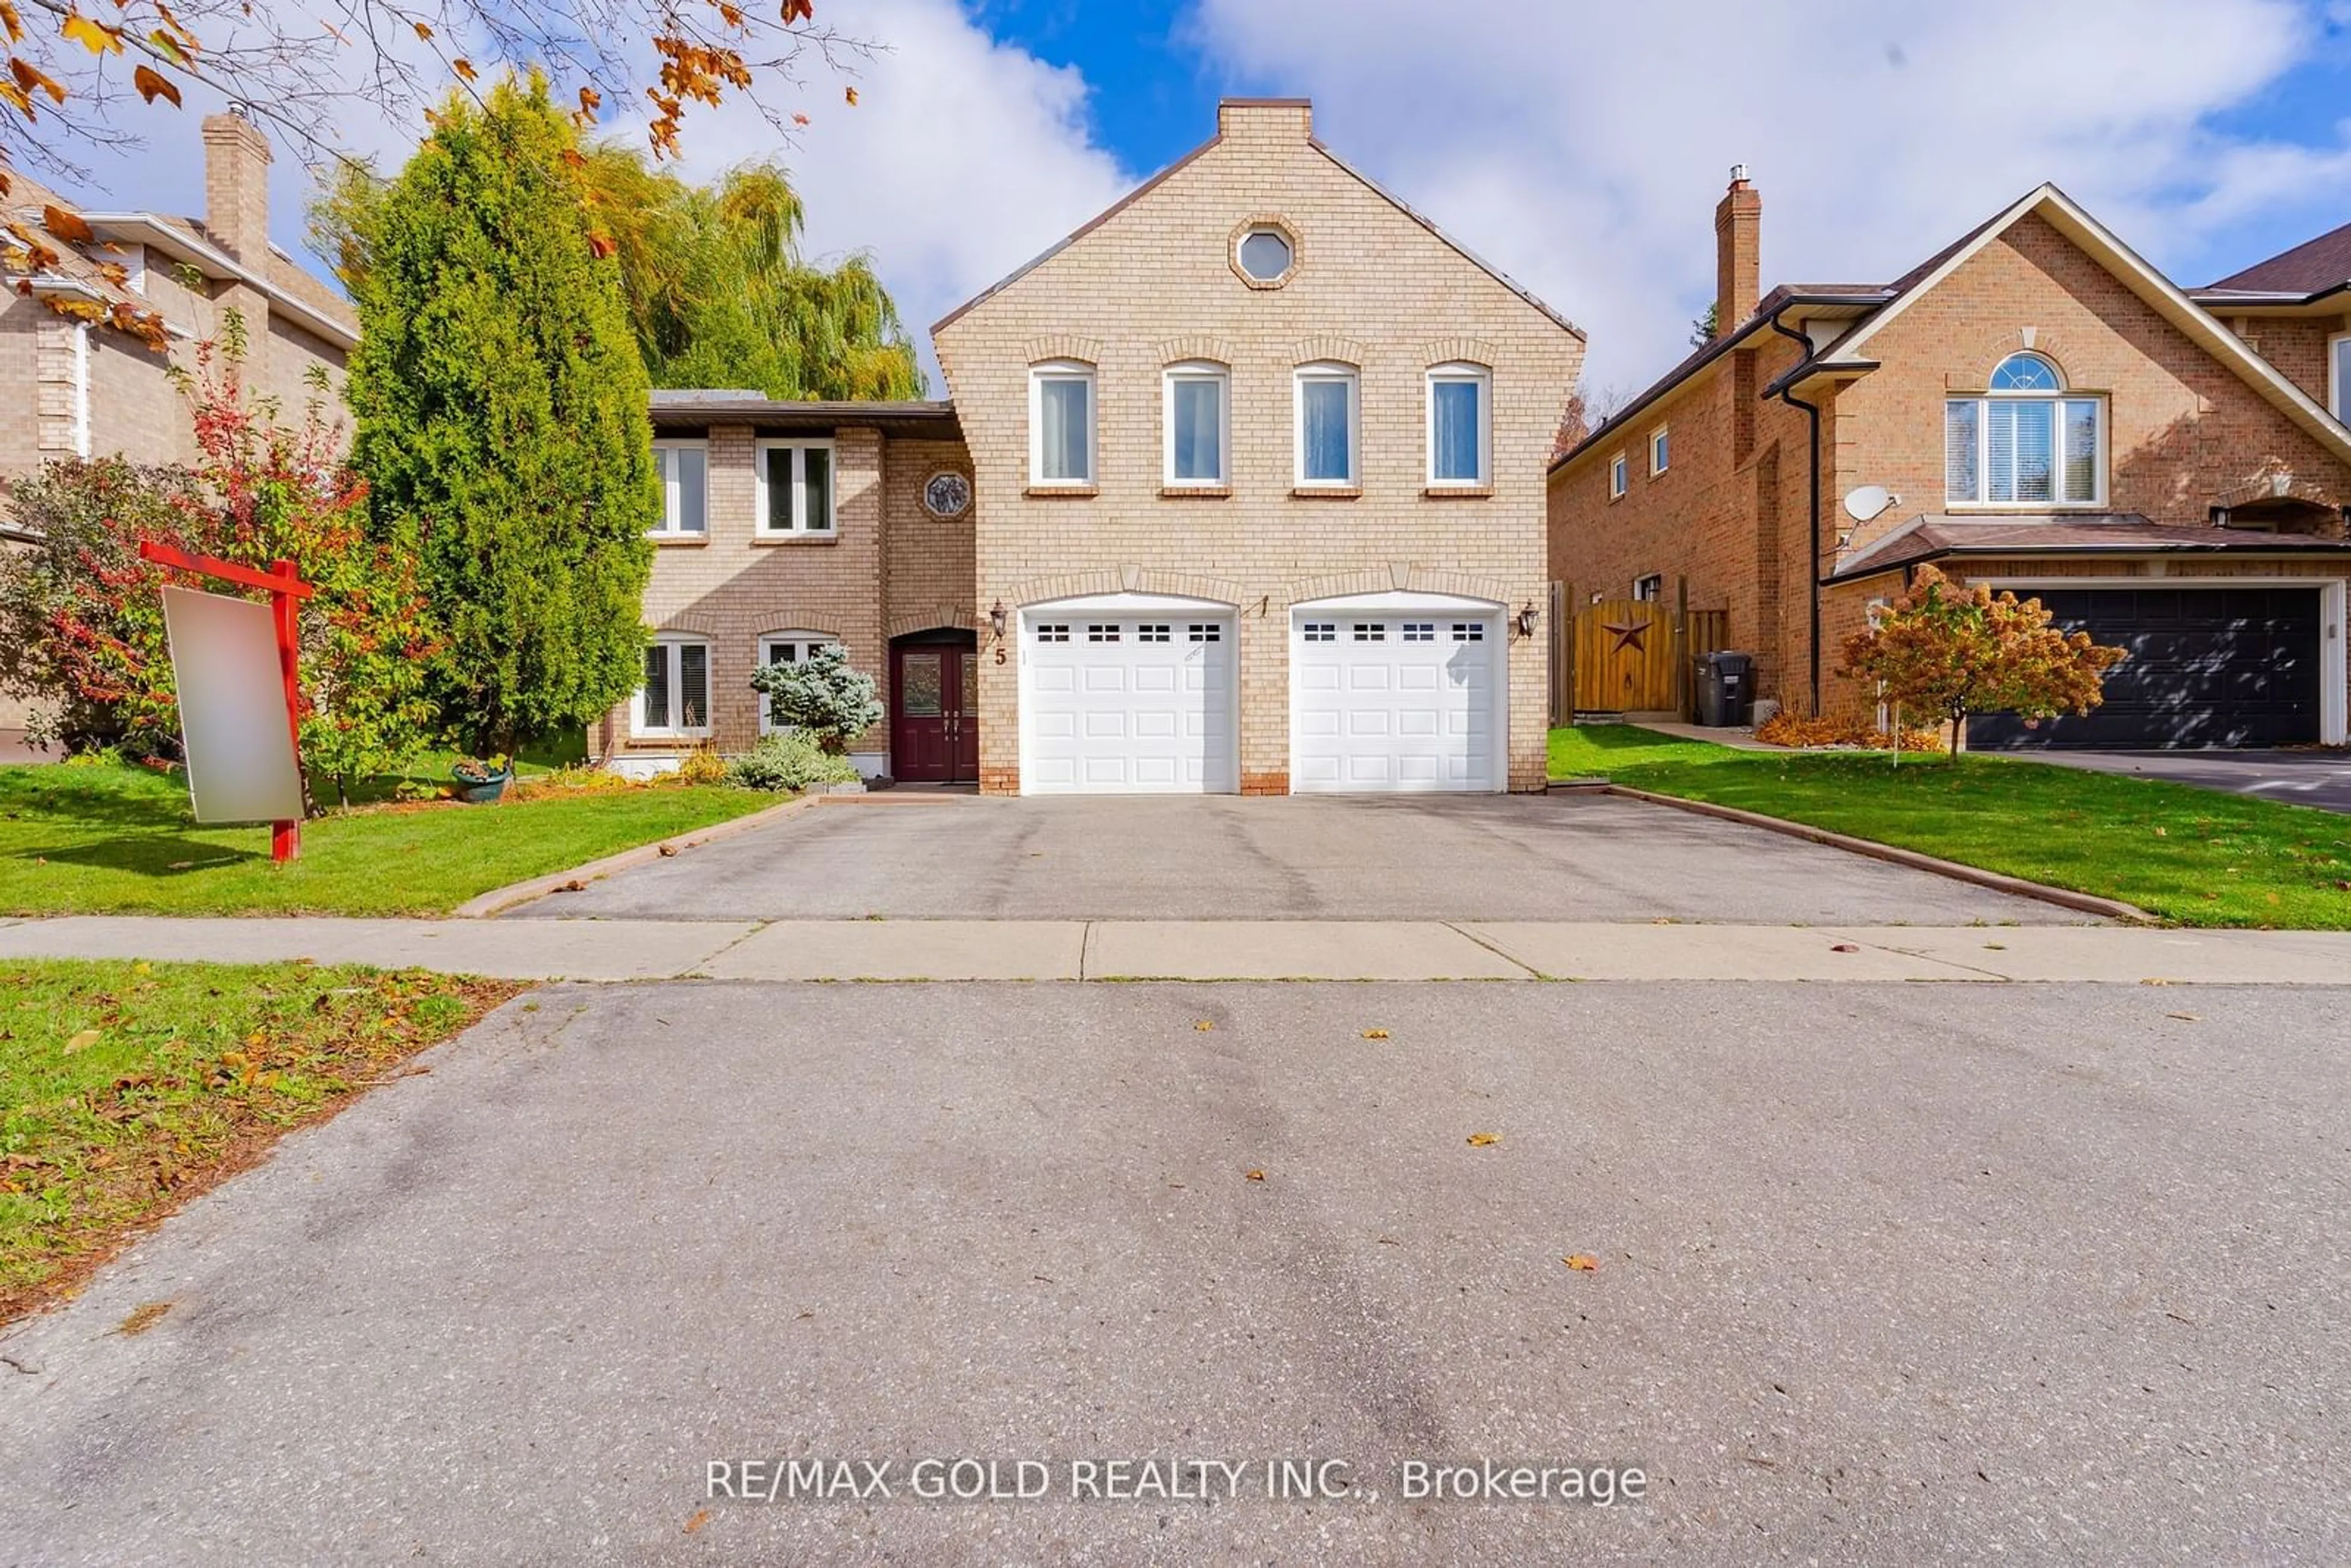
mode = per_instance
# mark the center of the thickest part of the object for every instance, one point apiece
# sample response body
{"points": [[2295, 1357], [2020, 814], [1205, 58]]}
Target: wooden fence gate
{"points": [[1632, 655]]}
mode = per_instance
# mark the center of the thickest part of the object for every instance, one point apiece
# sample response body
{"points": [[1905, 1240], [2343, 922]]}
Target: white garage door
{"points": [[1386, 700], [1140, 702]]}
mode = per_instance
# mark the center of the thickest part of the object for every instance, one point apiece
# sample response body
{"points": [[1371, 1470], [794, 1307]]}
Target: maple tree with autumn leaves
{"points": [[1943, 649]]}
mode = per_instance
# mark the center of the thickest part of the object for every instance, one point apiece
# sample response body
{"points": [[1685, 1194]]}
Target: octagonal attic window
{"points": [[1266, 255]]}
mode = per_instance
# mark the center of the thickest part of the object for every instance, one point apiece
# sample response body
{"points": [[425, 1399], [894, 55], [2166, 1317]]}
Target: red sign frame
{"points": [[285, 589]]}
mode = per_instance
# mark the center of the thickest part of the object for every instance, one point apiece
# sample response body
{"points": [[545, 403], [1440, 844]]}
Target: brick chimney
{"points": [[1265, 118], [1738, 253], [237, 187]]}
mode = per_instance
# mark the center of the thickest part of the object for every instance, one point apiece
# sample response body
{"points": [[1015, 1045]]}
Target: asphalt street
{"points": [[907, 855], [1884, 1273]]}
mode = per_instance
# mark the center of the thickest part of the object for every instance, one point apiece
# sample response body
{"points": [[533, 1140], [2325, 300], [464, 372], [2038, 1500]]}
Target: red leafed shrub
{"points": [[81, 625]]}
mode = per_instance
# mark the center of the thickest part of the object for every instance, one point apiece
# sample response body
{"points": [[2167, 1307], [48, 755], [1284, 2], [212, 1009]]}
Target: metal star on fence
{"points": [[1628, 638]]}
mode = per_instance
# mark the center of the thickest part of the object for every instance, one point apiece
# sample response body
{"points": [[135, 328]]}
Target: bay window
{"points": [[2025, 442]]}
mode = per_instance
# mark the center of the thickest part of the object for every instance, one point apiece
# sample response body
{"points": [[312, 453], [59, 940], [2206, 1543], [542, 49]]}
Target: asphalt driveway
{"points": [[1895, 1274], [2320, 778], [1466, 857]]}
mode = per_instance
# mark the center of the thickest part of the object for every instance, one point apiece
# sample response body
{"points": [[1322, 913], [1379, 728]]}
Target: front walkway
{"points": [[617, 950]]}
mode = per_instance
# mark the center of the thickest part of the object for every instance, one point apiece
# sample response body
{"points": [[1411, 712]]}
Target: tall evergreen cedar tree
{"points": [[499, 406]]}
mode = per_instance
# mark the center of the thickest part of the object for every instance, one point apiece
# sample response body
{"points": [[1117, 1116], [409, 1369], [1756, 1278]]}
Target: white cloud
{"points": [[1582, 149], [963, 158]]}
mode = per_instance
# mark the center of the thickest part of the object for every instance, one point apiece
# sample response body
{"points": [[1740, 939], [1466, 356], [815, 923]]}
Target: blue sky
{"points": [[1580, 149]]}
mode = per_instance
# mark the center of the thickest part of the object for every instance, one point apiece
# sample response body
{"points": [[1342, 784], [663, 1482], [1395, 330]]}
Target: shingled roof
{"points": [[2314, 266]]}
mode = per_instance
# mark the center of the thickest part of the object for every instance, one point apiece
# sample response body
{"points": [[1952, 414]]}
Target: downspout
{"points": [[1812, 471]]}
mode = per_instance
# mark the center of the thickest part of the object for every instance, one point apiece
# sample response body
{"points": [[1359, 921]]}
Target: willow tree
{"points": [[500, 415], [721, 293]]}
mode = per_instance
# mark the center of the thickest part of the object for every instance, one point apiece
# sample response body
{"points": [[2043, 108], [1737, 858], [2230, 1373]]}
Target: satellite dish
{"points": [[1867, 502]]}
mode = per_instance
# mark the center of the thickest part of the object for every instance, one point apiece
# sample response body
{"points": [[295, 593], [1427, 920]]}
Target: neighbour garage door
{"points": [[1135, 703], [1395, 701], [2207, 666]]}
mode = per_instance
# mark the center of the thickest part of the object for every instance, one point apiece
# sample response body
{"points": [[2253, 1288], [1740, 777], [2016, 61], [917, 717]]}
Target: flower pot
{"points": [[477, 785]]}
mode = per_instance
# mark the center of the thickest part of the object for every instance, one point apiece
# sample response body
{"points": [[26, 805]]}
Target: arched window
{"points": [[2025, 442], [2026, 373], [789, 646]]}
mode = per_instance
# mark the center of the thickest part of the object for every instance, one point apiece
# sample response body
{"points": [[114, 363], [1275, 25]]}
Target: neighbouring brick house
{"points": [[80, 389], [2034, 407], [1241, 490]]}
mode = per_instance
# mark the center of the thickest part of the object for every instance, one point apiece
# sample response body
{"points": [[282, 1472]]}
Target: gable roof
{"points": [[1161, 178], [2316, 267], [2127, 267]]}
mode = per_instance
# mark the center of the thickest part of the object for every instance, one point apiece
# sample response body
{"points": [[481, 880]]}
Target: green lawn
{"points": [[127, 1088], [110, 838], [2194, 856]]}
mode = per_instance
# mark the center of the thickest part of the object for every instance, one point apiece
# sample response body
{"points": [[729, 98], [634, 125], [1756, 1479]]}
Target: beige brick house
{"points": [[2034, 407], [76, 388], [1241, 490]]}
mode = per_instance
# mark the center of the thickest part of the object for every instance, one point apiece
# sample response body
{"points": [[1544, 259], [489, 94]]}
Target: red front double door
{"points": [[934, 712]]}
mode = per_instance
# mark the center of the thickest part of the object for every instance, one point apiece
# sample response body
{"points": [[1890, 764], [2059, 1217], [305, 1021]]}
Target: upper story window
{"points": [[1460, 425], [1661, 451], [1649, 589], [2025, 442], [1620, 470], [676, 696], [1061, 423], [685, 470], [1198, 423], [795, 490], [2338, 376], [1328, 423]]}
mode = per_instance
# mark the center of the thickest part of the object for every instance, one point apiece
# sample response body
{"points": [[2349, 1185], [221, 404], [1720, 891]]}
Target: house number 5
{"points": [[999, 655]]}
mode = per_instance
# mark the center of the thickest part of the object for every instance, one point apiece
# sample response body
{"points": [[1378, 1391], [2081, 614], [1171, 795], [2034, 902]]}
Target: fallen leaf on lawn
{"points": [[1255, 1175], [1582, 1262], [701, 1517], [1204, 1025], [1375, 1034], [142, 968], [2186, 1018], [1844, 948], [142, 1318], [1484, 1140], [82, 1041], [2160, 833]]}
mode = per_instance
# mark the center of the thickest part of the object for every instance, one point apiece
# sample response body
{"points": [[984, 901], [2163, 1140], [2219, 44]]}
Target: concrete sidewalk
{"points": [[917, 950]]}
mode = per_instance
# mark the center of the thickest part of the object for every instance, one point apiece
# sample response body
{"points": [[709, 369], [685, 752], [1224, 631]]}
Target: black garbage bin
{"points": [[1725, 688]]}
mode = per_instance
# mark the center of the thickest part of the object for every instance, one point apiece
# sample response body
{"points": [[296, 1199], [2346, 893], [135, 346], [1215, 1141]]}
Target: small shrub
{"points": [[788, 760], [822, 695], [703, 765], [575, 779]]}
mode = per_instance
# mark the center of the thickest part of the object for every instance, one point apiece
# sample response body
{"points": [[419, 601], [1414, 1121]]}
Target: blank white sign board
{"points": [[240, 753]]}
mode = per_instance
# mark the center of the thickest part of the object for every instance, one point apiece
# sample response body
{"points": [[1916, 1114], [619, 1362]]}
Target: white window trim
{"points": [[807, 639], [1482, 378], [1326, 371], [1620, 475], [673, 495], [1658, 597], [671, 642], [1663, 432], [2338, 383], [2063, 394], [1196, 371], [1063, 370], [800, 525]]}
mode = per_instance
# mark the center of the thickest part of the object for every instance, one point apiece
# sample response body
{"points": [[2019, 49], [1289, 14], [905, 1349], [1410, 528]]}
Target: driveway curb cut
{"points": [[499, 900], [2066, 898]]}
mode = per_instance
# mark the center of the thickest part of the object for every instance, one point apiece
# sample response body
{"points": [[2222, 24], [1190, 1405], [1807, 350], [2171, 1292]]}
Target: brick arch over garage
{"points": [[1123, 579], [1399, 577]]}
